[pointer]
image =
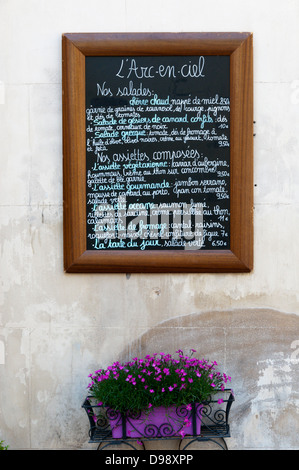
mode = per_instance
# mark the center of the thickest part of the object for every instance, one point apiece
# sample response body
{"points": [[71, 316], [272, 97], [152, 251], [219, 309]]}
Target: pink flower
{"points": [[220, 400], [163, 389], [150, 405], [170, 388], [152, 391], [187, 422]]}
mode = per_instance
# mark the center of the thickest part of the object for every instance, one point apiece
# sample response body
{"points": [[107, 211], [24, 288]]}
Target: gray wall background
{"points": [[56, 328]]}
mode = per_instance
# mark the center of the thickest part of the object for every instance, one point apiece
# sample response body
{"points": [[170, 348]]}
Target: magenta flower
{"points": [[190, 373]]}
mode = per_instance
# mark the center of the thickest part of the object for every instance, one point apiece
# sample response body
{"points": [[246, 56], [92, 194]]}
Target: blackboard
{"points": [[159, 167], [158, 152]]}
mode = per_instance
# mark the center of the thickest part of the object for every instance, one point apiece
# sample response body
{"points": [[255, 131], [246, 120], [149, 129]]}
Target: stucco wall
{"points": [[56, 328]]}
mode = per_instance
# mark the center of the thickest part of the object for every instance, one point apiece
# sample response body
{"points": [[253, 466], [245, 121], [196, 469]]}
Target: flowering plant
{"points": [[158, 380]]}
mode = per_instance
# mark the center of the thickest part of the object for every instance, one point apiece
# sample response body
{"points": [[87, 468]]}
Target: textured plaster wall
{"points": [[55, 328]]}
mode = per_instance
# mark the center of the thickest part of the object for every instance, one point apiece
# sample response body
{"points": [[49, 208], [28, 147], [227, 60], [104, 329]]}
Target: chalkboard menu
{"points": [[157, 153]]}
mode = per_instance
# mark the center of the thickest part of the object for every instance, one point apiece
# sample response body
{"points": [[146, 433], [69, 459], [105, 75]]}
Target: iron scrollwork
{"points": [[213, 414]]}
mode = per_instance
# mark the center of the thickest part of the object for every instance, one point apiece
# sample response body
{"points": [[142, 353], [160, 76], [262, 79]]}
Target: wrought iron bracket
{"points": [[214, 426]]}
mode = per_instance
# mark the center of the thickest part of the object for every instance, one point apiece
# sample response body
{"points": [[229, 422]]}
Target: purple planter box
{"points": [[157, 422]]}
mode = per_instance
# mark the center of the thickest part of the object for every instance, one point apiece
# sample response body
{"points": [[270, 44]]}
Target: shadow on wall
{"points": [[259, 349]]}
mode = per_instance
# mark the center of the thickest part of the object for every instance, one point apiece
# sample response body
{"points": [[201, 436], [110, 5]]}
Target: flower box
{"points": [[159, 396], [108, 426], [157, 422]]}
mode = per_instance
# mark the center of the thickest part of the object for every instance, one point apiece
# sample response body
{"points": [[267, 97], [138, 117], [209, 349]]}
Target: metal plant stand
{"points": [[214, 425]]}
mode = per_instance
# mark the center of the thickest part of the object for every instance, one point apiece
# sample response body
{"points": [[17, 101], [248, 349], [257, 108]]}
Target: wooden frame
{"points": [[75, 47]]}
